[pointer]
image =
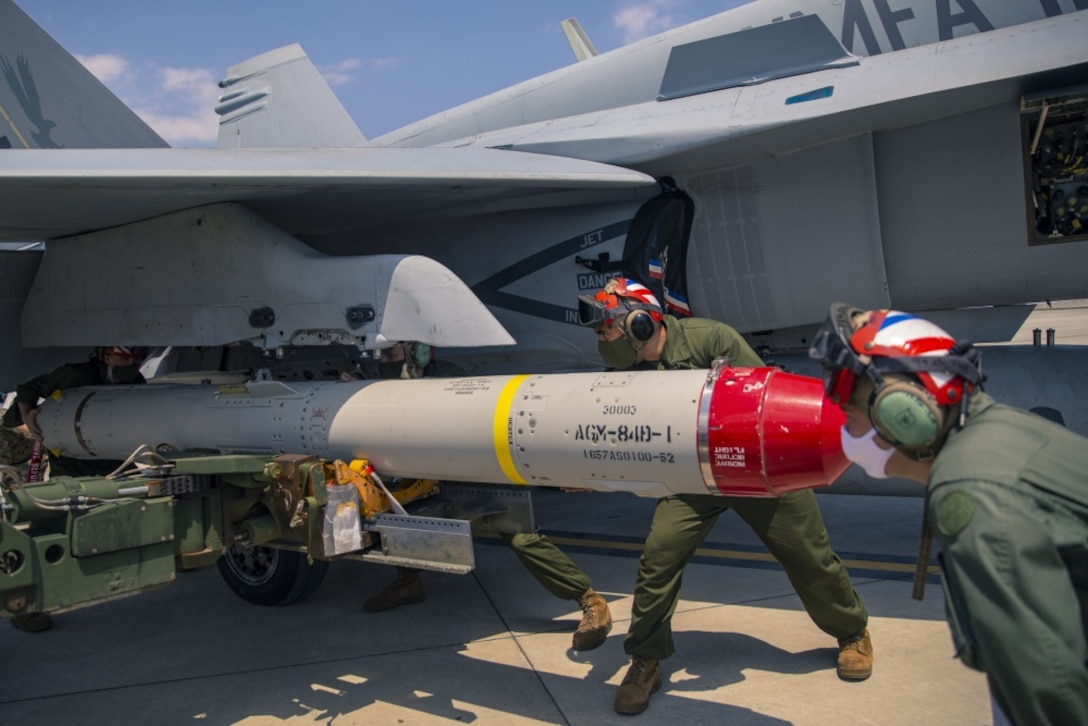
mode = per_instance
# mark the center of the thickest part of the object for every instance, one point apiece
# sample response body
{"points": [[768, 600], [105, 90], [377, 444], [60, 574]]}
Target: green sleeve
{"points": [[1014, 611], [733, 346], [44, 385], [71, 375]]}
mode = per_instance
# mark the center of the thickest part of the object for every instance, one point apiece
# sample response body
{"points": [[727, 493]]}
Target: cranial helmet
{"points": [[137, 353], [853, 342], [625, 303]]}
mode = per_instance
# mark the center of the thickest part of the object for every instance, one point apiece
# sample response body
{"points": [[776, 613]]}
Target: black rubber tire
{"points": [[269, 576]]}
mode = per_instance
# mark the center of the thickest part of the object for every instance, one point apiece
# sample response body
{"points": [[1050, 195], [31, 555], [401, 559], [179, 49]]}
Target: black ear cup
{"points": [[640, 325], [906, 414]]}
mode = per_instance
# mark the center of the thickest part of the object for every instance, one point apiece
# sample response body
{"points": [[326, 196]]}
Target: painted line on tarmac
{"points": [[887, 563]]}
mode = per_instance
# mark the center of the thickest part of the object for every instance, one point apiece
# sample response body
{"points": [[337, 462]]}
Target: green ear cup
{"points": [[906, 417]]}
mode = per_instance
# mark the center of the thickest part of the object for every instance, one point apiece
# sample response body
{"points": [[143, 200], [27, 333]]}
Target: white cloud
{"points": [[340, 73], [181, 105], [105, 67], [187, 79], [196, 129], [637, 20], [178, 103]]}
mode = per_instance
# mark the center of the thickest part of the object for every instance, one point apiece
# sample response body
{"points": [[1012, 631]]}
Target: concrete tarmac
{"points": [[493, 647]]}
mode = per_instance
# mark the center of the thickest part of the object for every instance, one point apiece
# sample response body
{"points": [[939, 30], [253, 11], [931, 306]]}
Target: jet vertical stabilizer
{"points": [[48, 100], [579, 41], [279, 100]]}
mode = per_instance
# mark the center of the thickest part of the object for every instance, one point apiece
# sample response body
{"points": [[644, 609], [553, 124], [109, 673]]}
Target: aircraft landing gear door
{"points": [[1055, 133]]}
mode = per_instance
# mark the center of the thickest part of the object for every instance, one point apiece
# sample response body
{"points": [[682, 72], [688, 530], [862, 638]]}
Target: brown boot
{"points": [[32, 622], [856, 657], [407, 589], [642, 679], [596, 621]]}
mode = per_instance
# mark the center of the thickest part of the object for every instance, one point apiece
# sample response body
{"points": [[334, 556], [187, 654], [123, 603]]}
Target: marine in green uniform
{"points": [[544, 561], [1007, 499], [633, 331], [114, 364]]}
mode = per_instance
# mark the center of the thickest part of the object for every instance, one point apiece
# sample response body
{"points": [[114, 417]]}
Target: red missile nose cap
{"points": [[772, 432], [832, 420]]}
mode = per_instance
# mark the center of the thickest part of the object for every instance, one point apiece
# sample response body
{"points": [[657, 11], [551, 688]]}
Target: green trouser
{"points": [[544, 561], [790, 527], [547, 563]]}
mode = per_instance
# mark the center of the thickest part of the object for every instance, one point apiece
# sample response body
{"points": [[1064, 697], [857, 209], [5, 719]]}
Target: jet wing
{"points": [[54, 193]]}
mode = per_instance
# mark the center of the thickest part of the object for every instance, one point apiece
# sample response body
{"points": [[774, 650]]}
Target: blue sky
{"points": [[390, 62]]}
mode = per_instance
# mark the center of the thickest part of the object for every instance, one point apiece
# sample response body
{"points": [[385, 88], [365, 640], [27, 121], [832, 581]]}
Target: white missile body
{"points": [[740, 432]]}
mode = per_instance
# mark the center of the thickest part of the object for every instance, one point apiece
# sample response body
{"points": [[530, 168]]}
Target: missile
{"points": [[754, 432]]}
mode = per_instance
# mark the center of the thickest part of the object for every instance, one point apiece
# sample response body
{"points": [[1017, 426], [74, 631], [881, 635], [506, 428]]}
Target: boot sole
{"points": [[637, 709], [595, 640], [854, 675]]}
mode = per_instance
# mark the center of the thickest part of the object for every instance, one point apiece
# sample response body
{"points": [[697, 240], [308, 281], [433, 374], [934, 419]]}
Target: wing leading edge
{"points": [[58, 193]]}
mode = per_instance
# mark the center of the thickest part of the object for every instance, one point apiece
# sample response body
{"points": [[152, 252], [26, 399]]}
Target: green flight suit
{"points": [[72, 375], [1009, 505], [789, 526]]}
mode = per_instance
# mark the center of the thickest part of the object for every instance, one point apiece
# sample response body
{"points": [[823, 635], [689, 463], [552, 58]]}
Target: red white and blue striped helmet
{"points": [[895, 334], [891, 341], [619, 297]]}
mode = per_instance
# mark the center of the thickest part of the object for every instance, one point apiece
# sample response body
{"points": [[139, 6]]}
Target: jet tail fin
{"points": [[579, 41], [48, 100], [279, 100]]}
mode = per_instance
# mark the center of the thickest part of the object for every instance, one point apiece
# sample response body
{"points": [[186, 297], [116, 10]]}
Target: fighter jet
{"points": [[751, 167]]}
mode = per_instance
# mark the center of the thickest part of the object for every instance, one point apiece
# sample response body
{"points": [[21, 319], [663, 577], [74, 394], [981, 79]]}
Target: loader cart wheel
{"points": [[268, 576]]}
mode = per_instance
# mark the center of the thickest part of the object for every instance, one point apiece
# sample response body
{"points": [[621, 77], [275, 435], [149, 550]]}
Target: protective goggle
{"points": [[831, 348], [593, 313]]}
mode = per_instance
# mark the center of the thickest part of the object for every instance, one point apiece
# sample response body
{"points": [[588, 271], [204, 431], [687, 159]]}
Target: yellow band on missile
{"points": [[502, 430]]}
